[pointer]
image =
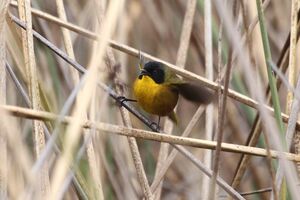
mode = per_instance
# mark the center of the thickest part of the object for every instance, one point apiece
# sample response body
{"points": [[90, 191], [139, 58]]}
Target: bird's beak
{"points": [[142, 73]]}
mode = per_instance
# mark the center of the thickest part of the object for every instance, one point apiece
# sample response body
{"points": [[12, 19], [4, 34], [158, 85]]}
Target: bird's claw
{"points": [[121, 99], [155, 126]]}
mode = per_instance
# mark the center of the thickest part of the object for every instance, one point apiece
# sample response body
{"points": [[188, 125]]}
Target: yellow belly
{"points": [[158, 99]]}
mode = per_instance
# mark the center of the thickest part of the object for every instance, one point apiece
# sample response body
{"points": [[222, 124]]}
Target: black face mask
{"points": [[154, 70]]}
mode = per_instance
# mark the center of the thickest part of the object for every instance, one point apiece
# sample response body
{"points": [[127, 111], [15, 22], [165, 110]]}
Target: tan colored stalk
{"points": [[292, 59], [67, 39], [121, 130], [221, 113], [292, 70], [3, 147], [31, 71], [94, 167], [181, 60], [209, 117], [75, 77], [73, 131]]}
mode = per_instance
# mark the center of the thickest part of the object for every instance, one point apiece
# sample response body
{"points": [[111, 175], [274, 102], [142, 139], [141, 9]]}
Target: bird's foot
{"points": [[155, 126], [121, 99]]}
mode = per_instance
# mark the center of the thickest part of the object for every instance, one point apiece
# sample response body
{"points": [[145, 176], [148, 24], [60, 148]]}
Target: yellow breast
{"points": [[158, 99]]}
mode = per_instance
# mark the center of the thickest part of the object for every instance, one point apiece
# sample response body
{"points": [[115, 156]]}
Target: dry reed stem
{"points": [[110, 174], [292, 71], [67, 39], [209, 70], [73, 131], [221, 113], [15, 48], [31, 71], [187, 74], [192, 142], [75, 80], [186, 33], [139, 166], [256, 191], [292, 57], [95, 168], [242, 164], [180, 61], [3, 146], [295, 107], [297, 150]]}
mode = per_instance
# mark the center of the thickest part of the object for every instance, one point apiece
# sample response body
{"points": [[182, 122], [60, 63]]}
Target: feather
{"points": [[196, 93]]}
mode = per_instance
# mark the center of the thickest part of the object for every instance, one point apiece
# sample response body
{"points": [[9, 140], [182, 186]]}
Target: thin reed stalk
{"points": [[31, 72]]}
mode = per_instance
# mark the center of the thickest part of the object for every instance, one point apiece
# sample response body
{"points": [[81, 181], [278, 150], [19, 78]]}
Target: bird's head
{"points": [[154, 70]]}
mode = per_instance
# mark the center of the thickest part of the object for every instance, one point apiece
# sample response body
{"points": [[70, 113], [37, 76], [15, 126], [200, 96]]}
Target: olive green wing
{"points": [[190, 91], [172, 78], [196, 93]]}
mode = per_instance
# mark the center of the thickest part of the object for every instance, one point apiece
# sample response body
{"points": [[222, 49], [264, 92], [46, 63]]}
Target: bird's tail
{"points": [[196, 93]]}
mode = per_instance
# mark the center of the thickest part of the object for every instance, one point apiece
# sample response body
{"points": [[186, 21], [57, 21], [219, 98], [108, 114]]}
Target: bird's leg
{"points": [[158, 123], [121, 99], [155, 126]]}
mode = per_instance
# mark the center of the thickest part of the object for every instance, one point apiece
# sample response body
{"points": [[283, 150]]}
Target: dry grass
{"points": [[62, 67]]}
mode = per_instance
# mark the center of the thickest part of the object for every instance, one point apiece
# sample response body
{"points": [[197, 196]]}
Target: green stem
{"points": [[268, 59]]}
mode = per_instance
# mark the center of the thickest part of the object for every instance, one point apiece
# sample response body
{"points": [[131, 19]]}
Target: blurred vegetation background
{"points": [[153, 27]]}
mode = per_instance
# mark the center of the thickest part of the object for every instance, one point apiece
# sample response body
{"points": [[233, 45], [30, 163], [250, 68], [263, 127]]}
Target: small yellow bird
{"points": [[157, 88]]}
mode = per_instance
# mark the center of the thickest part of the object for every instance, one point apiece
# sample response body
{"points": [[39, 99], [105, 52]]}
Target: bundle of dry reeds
{"points": [[65, 133]]}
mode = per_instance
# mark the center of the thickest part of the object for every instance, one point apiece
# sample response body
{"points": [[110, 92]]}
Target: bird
{"points": [[157, 90]]}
